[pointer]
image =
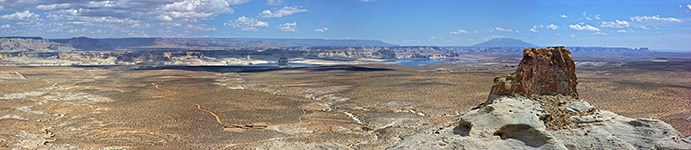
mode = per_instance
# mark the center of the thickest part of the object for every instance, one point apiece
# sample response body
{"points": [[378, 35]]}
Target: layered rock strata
{"points": [[545, 71]]}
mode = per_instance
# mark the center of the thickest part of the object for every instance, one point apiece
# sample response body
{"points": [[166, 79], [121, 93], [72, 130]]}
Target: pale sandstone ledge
{"points": [[537, 107]]}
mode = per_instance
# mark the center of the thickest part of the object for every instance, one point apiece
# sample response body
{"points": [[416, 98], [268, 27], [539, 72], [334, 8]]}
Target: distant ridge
{"points": [[23, 37], [504, 42], [312, 42]]}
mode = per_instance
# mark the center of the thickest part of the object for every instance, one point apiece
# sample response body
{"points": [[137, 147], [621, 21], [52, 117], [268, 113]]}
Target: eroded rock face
{"points": [[545, 71], [515, 123], [537, 107]]}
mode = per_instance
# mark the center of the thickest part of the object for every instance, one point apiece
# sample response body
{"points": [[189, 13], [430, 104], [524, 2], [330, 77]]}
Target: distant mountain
{"points": [[504, 42], [84, 43], [31, 44], [313, 42], [238, 42]]}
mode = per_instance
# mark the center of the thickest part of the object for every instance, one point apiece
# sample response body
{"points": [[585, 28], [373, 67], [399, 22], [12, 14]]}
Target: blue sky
{"points": [[660, 24]]}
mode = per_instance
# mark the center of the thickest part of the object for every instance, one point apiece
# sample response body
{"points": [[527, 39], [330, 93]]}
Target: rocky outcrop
{"points": [[537, 107], [342, 53], [545, 71], [413, 56]]}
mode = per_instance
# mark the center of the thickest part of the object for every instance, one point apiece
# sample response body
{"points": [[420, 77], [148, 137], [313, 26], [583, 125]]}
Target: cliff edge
{"points": [[537, 107]]}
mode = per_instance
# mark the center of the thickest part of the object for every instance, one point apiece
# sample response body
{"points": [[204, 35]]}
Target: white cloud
{"points": [[21, 16], [552, 27], [616, 24], [200, 27], [688, 6], [274, 2], [563, 16], [285, 11], [247, 24], [4, 26], [459, 31], [62, 16], [367, 0], [493, 37], [321, 29], [656, 17], [600, 33], [583, 28], [572, 35], [196, 9], [535, 27], [289, 27], [502, 29], [643, 27]]}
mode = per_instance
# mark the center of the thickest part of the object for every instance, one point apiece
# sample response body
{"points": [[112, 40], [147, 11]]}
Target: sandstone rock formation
{"points": [[546, 71], [537, 108]]}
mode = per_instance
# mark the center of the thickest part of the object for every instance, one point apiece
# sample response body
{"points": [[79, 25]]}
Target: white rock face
{"points": [[515, 123]]}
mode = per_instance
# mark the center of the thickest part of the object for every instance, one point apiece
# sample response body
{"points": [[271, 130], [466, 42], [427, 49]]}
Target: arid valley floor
{"points": [[360, 106]]}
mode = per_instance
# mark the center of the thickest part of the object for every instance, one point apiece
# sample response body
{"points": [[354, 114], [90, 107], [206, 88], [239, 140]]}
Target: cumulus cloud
{"points": [[285, 11], [643, 27], [502, 29], [247, 24], [289, 27], [321, 29], [656, 17], [579, 27], [615, 24], [688, 6], [21, 16], [552, 27], [535, 27], [459, 31], [199, 27], [563, 16], [196, 9], [4, 26], [128, 16], [274, 2]]}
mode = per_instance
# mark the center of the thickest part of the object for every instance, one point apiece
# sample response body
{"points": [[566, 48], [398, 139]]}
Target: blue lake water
{"points": [[289, 64], [409, 62]]}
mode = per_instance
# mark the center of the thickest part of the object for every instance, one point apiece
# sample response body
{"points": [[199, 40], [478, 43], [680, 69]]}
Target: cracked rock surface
{"points": [[537, 107]]}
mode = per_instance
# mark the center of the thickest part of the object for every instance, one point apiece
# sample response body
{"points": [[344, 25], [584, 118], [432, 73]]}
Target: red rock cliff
{"points": [[545, 71]]}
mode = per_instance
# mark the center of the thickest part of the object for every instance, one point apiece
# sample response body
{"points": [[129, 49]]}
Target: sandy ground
{"points": [[366, 106]]}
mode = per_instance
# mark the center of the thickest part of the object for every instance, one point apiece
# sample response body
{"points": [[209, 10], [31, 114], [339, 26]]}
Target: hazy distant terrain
{"points": [[148, 93]]}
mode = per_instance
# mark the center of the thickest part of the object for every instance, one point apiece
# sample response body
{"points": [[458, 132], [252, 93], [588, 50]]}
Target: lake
{"points": [[276, 64], [409, 62]]}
